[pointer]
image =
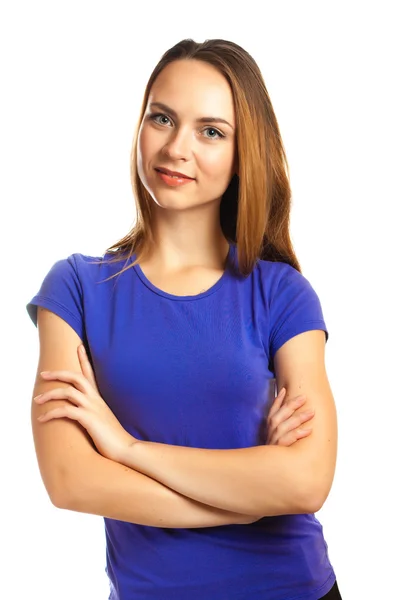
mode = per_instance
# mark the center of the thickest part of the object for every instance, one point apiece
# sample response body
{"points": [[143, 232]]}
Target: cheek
{"points": [[218, 164], [144, 145], [143, 156], [146, 150]]}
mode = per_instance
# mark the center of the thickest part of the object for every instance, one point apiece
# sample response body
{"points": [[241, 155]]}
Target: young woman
{"points": [[206, 491]]}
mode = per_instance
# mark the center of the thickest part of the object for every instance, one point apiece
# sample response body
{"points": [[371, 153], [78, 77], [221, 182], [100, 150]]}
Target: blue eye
{"points": [[156, 116], [219, 134]]}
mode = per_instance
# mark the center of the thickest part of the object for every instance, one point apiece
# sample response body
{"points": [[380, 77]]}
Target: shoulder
{"points": [[82, 263], [277, 269], [276, 276], [75, 263], [90, 269], [292, 306], [70, 284]]}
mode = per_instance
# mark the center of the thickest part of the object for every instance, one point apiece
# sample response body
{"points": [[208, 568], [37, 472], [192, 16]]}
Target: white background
{"points": [[72, 78]]}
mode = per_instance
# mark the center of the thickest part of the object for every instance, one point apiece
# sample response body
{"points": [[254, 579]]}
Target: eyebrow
{"points": [[199, 120]]}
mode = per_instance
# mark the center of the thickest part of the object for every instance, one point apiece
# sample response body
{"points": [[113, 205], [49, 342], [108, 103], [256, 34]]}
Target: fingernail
{"points": [[44, 373], [36, 397], [82, 349]]}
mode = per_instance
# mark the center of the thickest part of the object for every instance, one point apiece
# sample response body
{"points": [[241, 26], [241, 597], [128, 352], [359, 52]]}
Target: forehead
{"points": [[194, 88]]}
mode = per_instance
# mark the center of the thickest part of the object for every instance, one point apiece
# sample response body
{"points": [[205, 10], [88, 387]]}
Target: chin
{"points": [[171, 203]]}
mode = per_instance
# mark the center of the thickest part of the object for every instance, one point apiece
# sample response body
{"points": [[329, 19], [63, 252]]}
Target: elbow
{"points": [[314, 494], [72, 490], [312, 502], [59, 498], [297, 497], [314, 481], [58, 493]]}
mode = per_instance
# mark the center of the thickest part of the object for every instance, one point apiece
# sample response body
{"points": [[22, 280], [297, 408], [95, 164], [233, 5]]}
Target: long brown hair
{"points": [[255, 208]]}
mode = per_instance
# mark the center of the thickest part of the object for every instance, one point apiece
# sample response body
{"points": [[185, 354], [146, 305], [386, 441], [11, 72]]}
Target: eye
{"points": [[214, 137], [157, 118]]}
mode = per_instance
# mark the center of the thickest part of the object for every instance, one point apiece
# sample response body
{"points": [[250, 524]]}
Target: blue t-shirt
{"points": [[195, 371]]}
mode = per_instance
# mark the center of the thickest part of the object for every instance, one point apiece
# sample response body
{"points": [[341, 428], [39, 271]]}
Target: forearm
{"points": [[112, 490], [261, 480]]}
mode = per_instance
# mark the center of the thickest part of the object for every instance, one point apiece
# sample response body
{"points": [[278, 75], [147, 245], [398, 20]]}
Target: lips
{"points": [[172, 173]]}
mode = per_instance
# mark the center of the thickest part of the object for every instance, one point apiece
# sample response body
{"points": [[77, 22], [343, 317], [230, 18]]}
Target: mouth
{"points": [[173, 181], [173, 174]]}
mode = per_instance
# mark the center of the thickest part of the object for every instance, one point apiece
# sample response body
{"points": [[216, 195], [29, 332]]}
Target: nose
{"points": [[179, 144]]}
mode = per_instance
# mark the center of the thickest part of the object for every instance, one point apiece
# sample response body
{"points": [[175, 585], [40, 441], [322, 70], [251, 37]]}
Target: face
{"points": [[189, 128]]}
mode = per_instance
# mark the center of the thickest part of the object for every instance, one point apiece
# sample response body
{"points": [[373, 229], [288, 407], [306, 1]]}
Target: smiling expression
{"points": [[189, 128]]}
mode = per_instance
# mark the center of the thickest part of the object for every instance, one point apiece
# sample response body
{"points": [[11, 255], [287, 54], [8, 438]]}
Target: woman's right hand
{"points": [[284, 421]]}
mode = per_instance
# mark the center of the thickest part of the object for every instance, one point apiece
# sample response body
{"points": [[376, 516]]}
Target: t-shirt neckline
{"points": [[211, 290]]}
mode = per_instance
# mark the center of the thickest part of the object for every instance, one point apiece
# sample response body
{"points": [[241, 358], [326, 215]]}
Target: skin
{"points": [[177, 141], [190, 245], [285, 422]]}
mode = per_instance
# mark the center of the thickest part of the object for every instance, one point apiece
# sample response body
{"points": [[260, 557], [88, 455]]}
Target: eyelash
{"points": [[154, 116]]}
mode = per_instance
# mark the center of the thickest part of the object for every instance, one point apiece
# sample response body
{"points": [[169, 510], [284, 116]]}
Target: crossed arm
{"points": [[262, 480], [170, 486]]}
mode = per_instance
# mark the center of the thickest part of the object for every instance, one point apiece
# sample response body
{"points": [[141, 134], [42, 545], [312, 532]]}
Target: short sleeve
{"points": [[61, 292], [294, 308]]}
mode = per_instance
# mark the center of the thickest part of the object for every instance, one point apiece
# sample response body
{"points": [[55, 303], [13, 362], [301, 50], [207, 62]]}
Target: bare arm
{"points": [[267, 480], [111, 490], [78, 478]]}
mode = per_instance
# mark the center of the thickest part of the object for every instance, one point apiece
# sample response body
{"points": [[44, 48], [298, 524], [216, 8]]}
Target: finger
{"points": [[297, 420], [78, 380], [286, 411], [277, 403], [292, 436], [67, 393], [86, 367], [69, 411], [292, 423], [297, 401]]}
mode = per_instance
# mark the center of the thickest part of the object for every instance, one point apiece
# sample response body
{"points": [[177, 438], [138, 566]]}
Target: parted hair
{"points": [[255, 207]]}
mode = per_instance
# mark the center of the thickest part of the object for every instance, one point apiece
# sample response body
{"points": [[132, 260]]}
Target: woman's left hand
{"points": [[86, 405], [284, 422]]}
